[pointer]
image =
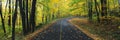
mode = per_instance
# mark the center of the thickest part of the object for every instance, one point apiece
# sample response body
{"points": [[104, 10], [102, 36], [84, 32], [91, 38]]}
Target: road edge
{"points": [[95, 37]]}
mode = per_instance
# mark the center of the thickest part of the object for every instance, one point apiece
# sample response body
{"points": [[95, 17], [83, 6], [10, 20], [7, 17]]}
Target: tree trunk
{"points": [[32, 16], [14, 17], [27, 21], [98, 17], [9, 20], [2, 17], [119, 7], [108, 7], [104, 8], [22, 12], [90, 9]]}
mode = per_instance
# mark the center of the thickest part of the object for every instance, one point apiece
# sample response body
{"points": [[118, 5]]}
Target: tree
{"points": [[9, 20], [104, 8], [22, 12], [96, 8], [90, 9], [119, 7], [14, 17], [32, 16], [3, 25], [27, 19]]}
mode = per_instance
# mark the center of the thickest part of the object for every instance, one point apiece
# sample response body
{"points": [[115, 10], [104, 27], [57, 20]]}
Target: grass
{"points": [[107, 32]]}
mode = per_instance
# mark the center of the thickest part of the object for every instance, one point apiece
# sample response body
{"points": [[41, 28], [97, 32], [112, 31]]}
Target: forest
{"points": [[50, 19]]}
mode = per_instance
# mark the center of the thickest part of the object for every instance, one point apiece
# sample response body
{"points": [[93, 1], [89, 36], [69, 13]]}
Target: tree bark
{"points": [[32, 16], [98, 17], [14, 17], [3, 24], [9, 20], [119, 7], [104, 8], [27, 21], [90, 9], [22, 12]]}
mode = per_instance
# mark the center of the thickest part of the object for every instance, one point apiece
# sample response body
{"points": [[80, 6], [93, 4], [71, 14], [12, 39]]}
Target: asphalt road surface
{"points": [[62, 30]]}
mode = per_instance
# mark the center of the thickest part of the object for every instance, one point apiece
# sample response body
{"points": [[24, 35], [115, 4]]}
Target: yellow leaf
{"points": [[119, 27]]}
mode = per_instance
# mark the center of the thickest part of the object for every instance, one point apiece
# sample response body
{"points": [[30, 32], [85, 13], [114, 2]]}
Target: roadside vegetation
{"points": [[103, 31]]}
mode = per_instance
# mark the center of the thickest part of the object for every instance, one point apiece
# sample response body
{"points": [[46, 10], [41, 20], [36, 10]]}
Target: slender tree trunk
{"points": [[14, 17], [104, 8], [108, 7], [22, 12], [43, 18], [25, 15], [98, 17], [46, 19], [9, 20], [32, 15], [119, 7], [3, 24], [90, 9], [27, 21], [25, 8]]}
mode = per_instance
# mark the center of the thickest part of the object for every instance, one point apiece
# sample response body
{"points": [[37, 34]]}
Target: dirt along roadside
{"points": [[86, 31]]}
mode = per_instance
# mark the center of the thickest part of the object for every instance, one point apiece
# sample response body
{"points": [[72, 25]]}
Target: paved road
{"points": [[62, 30]]}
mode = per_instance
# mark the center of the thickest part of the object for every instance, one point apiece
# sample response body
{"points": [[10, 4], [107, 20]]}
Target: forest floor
{"points": [[97, 31]]}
